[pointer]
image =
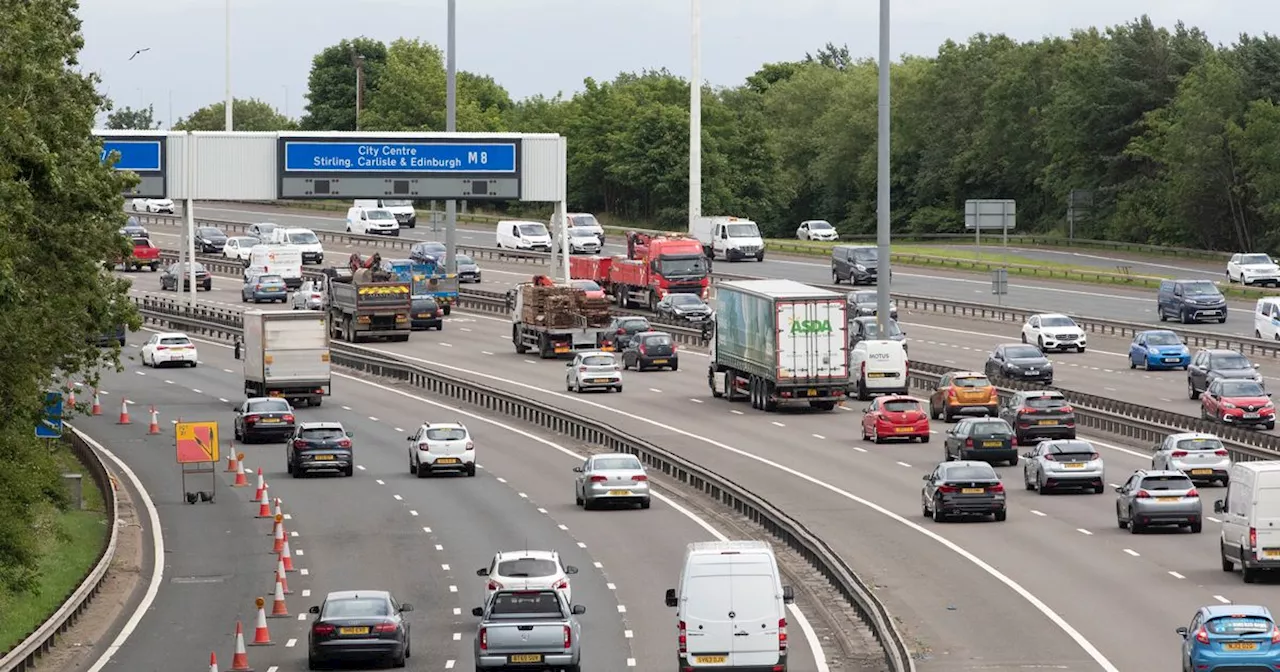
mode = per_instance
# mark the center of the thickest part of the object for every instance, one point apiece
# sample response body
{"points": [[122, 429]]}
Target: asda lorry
{"points": [[779, 342], [286, 354]]}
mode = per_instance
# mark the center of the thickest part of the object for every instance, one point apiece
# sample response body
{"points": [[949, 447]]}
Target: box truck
{"points": [[779, 342], [286, 354]]}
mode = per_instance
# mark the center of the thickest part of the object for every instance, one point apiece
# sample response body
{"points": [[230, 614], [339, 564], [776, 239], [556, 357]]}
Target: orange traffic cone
{"points": [[97, 404], [71, 394], [264, 509], [257, 494], [278, 504], [278, 546], [286, 557], [240, 660], [124, 413], [213, 662], [275, 527], [232, 461], [154, 427], [278, 608], [280, 576], [261, 637], [242, 479]]}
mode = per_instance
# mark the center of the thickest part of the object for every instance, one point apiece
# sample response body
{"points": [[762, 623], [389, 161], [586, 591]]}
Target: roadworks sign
{"points": [[197, 442]]}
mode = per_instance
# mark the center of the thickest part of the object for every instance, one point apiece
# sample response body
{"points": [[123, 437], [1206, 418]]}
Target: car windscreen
{"points": [[270, 280], [1023, 352], [303, 238], [322, 433], [175, 340], [1047, 401], [579, 232], [866, 254], [616, 463], [527, 567], [269, 406], [586, 285], [1070, 447], [1163, 338], [1178, 482], [360, 607], [379, 214], [393, 203], [142, 242], [1255, 260], [1238, 625], [463, 260], [634, 326], [1198, 444], [533, 230], [872, 329], [1200, 288], [970, 473], [583, 220], [1242, 388], [901, 405], [525, 603], [971, 381], [1229, 362], [446, 434], [999, 429], [598, 360], [819, 225], [1057, 321], [743, 231], [685, 300], [862, 297], [210, 232]]}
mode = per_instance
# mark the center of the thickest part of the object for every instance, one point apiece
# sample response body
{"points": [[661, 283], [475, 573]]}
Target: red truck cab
{"points": [[654, 267], [144, 254]]}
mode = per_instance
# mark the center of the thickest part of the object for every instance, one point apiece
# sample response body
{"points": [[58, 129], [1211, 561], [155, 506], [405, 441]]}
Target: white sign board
{"points": [[990, 215]]}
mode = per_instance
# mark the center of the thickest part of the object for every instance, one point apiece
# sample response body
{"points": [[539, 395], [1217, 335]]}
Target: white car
{"points": [[171, 349], [152, 205], [593, 370], [441, 446], [369, 221], [1253, 269], [1051, 331], [527, 570], [817, 229], [239, 247]]}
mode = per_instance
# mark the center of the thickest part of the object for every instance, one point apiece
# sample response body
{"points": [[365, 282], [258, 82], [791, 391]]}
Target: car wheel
{"points": [[924, 509], [1040, 486], [938, 516], [1027, 482], [1191, 390], [1134, 527], [1227, 564], [413, 468], [1132, 363], [1248, 575], [644, 503], [835, 277], [1024, 337], [423, 471], [577, 499], [1196, 527], [1002, 515], [876, 438], [471, 470]]}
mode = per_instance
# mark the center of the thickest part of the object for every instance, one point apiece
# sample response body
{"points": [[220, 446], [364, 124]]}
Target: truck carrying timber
{"points": [[779, 342], [286, 354], [364, 302], [654, 267], [556, 319]]}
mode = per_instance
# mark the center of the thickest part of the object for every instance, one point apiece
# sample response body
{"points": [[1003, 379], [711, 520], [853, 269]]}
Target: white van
{"points": [[400, 208], [731, 607], [1266, 319], [1250, 514], [878, 367], [523, 235], [369, 221], [585, 221], [286, 260], [305, 240], [733, 238]]}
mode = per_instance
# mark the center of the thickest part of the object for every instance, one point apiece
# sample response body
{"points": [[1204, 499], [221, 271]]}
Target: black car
{"points": [[426, 314], [133, 229], [264, 418], [1209, 365], [210, 239], [621, 329], [429, 251], [1039, 414], [356, 625], [866, 328], [688, 307], [105, 339], [650, 350], [169, 279], [984, 439], [963, 489], [468, 269], [319, 446], [865, 302], [1019, 361]]}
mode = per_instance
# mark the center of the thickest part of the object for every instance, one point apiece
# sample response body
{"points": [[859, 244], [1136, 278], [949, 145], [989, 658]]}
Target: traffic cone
{"points": [[261, 636], [280, 576], [124, 413], [264, 509], [286, 557], [242, 479], [257, 494], [275, 527], [233, 462], [240, 660], [278, 608], [278, 512], [278, 547], [213, 662], [154, 427], [97, 404], [71, 394]]}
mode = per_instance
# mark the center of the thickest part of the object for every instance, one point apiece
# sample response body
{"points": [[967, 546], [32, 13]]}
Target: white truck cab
{"points": [[733, 238]]}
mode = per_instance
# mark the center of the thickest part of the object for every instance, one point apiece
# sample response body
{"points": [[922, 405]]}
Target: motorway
{"points": [[420, 539]]}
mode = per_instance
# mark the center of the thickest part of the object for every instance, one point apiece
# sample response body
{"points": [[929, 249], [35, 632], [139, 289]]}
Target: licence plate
{"points": [[1075, 465], [1270, 553], [1031, 371], [621, 493], [560, 349], [353, 631], [174, 358], [1167, 499], [1048, 422], [270, 420], [709, 660], [1240, 646], [1201, 472], [992, 444], [659, 361], [902, 429], [425, 315], [1251, 416], [972, 491], [525, 658], [599, 380], [813, 393], [447, 460], [322, 457], [877, 374], [1171, 360]]}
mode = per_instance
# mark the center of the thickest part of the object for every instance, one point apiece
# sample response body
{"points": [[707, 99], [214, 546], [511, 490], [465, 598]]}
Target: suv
{"points": [[1209, 365], [1191, 301], [856, 264], [441, 446], [319, 446], [1153, 497], [621, 330], [962, 392], [1039, 414]]}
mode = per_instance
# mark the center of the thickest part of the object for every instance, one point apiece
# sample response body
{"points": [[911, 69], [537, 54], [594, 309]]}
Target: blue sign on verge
{"points": [[399, 157], [51, 426], [139, 156]]}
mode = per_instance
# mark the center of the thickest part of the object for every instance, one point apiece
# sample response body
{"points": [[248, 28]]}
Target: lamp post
{"points": [[883, 271], [695, 115], [358, 61], [230, 104], [451, 126]]}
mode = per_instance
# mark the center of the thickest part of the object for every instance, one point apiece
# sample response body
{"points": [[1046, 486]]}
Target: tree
{"points": [[130, 119], [411, 94], [331, 87], [247, 115], [62, 209]]}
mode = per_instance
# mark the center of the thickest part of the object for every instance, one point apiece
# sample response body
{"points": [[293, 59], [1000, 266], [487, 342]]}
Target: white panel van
{"points": [[522, 235], [286, 260], [1250, 514], [1266, 319], [400, 208], [731, 608], [878, 367]]}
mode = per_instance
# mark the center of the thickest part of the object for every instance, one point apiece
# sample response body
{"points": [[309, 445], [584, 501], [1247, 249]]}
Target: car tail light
{"points": [[906, 363], [344, 443], [1094, 456], [1026, 409], [642, 349], [1050, 458], [322, 629], [1253, 537], [949, 489], [250, 419], [257, 287], [316, 296], [951, 393], [598, 479], [998, 487], [682, 638], [1220, 453], [494, 585], [484, 639], [968, 443], [568, 638], [299, 444], [1202, 635], [1179, 453], [864, 369], [288, 417], [582, 369], [385, 627], [1192, 493], [1067, 409], [562, 584], [639, 477], [622, 332], [782, 634], [673, 347], [1275, 635], [1143, 494], [471, 446]]}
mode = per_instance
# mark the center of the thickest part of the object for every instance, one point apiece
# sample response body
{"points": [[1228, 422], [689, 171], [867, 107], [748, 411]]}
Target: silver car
{"points": [[309, 296], [1152, 497], [1200, 456], [1063, 463], [593, 370], [611, 477]]}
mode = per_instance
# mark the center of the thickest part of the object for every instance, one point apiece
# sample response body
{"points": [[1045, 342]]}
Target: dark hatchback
{"points": [[359, 625], [1019, 361], [985, 439], [210, 239], [320, 446], [264, 418], [651, 350], [169, 279], [468, 269], [1039, 414], [963, 489], [426, 314], [621, 330]]}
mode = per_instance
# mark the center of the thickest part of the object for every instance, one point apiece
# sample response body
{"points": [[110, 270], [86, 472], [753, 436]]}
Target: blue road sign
{"points": [[140, 156], [399, 157], [51, 426]]}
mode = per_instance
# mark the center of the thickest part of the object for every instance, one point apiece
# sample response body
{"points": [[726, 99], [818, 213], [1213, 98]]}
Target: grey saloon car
{"points": [[963, 488], [612, 478], [1152, 498]]}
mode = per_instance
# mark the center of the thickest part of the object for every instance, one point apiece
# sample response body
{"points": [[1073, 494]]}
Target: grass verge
{"points": [[69, 545]]}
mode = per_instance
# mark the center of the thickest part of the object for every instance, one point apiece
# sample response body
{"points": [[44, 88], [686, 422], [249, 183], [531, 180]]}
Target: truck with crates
{"points": [[364, 302], [556, 320], [779, 342], [286, 354]]}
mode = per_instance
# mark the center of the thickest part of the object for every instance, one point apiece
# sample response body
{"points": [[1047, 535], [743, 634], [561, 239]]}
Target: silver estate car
{"points": [[1200, 456], [1152, 497], [610, 478], [1063, 463]]}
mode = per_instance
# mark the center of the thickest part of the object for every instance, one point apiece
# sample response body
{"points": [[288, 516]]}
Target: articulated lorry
{"points": [[556, 319], [364, 302], [779, 342], [286, 354]]}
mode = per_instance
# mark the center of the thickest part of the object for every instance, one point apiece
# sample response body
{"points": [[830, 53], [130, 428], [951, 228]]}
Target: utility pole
{"points": [[695, 116], [451, 126], [883, 270], [230, 104], [358, 61]]}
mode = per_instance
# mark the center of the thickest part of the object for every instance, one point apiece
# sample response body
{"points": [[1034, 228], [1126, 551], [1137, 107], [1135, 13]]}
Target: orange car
{"points": [[962, 393], [895, 417]]}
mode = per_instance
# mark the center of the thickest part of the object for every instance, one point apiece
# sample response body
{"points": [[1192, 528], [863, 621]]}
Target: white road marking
{"points": [[427, 530], [581, 545], [735, 412], [453, 589], [485, 352], [223, 400], [1038, 513], [360, 467], [196, 391], [1081, 530], [522, 495], [600, 566], [562, 526], [448, 664], [860, 449], [655, 390], [1222, 599], [631, 662], [304, 571], [168, 382], [611, 586], [1132, 552], [373, 418], [1212, 519], [447, 345], [302, 616], [1176, 575], [379, 481], [444, 567], [457, 611], [778, 424], [346, 408], [290, 644], [306, 592], [501, 479], [398, 498], [818, 436], [622, 609], [904, 464], [439, 547], [412, 512], [457, 636], [628, 634], [541, 510], [696, 401]]}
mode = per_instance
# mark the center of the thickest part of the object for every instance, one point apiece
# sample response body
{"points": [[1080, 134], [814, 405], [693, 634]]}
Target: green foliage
{"points": [[62, 210], [127, 118], [411, 94], [247, 115], [331, 87]]}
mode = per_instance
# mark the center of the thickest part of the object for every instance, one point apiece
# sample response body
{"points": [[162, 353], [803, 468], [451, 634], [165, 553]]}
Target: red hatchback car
{"points": [[1238, 402], [895, 417]]}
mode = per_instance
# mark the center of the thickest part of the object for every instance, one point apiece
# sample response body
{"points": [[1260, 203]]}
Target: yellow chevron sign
{"points": [[393, 289]]}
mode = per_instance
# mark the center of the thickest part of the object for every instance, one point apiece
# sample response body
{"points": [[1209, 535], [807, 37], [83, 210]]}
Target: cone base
{"points": [[279, 615], [266, 643]]}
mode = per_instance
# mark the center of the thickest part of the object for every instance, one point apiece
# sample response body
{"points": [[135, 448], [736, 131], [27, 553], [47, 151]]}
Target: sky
{"points": [[550, 46]]}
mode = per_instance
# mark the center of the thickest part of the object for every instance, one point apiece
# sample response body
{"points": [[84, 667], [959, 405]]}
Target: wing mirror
{"points": [[1256, 365], [570, 569], [1182, 632], [568, 364], [577, 470], [350, 435], [313, 610], [483, 571], [1120, 489], [1028, 455], [578, 610], [406, 607], [409, 438], [925, 477], [788, 595], [477, 611], [1219, 506], [670, 598]]}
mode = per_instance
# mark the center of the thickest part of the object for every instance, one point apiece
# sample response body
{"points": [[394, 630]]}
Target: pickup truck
{"points": [[529, 630], [144, 254]]}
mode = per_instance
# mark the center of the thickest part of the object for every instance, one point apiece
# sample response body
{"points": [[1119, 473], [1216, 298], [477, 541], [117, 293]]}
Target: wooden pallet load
{"points": [[595, 310], [552, 307]]}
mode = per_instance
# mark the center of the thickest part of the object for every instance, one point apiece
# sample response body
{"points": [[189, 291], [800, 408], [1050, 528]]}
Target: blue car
{"points": [[1158, 349], [1231, 637], [261, 288]]}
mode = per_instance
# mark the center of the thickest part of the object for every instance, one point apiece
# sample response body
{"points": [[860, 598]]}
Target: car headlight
{"points": [[860, 267], [1227, 404]]}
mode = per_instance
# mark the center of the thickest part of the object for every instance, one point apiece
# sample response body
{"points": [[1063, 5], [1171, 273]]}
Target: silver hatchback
{"points": [[1150, 498], [1063, 463], [1200, 456], [617, 478]]}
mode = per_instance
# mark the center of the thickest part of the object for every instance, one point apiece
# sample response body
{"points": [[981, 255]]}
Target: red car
{"points": [[1238, 402], [897, 417], [589, 287]]}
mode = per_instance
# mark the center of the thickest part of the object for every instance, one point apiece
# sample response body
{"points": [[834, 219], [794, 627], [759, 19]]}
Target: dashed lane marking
{"points": [[1222, 599], [306, 592], [1081, 530], [444, 567], [696, 401], [581, 545], [860, 449], [398, 498], [735, 412], [818, 436], [778, 424], [1176, 575], [373, 418], [453, 589], [1132, 552], [457, 636], [412, 512], [291, 643], [379, 481], [904, 464], [1038, 513]]}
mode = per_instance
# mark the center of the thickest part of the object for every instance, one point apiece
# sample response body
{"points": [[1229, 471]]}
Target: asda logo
{"points": [[810, 327]]}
